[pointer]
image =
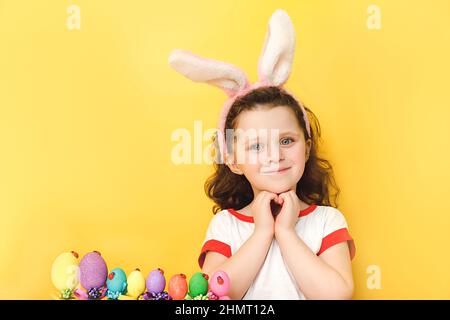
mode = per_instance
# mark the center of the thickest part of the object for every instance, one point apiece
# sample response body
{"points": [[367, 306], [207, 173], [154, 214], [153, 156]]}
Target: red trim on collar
{"points": [[241, 216], [249, 219]]}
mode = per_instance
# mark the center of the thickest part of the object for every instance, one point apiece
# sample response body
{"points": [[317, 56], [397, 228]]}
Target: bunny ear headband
{"points": [[274, 68]]}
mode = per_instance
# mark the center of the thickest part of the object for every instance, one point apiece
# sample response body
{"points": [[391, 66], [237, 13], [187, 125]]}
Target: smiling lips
{"points": [[279, 171]]}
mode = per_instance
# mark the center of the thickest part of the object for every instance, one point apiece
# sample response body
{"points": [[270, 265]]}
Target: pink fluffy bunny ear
{"points": [[275, 62], [226, 76]]}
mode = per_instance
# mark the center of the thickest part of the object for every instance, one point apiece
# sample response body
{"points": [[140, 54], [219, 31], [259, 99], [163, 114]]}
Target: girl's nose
{"points": [[274, 153]]}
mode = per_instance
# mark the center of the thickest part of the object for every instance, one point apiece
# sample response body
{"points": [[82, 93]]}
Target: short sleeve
{"points": [[335, 231], [217, 238]]}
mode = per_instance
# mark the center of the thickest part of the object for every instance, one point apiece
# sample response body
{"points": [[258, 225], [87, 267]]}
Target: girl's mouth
{"points": [[279, 171]]}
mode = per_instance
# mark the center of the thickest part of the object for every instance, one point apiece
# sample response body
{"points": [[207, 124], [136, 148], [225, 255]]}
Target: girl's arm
{"points": [[328, 276], [243, 266]]}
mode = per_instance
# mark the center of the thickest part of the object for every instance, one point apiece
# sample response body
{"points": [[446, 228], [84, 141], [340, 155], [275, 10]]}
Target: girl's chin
{"points": [[278, 189]]}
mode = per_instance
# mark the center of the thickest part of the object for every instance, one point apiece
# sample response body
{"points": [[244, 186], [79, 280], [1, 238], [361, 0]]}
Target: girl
{"points": [[275, 231]]}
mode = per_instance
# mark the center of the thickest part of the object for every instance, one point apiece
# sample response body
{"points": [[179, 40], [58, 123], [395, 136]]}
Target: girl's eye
{"points": [[286, 141], [256, 147]]}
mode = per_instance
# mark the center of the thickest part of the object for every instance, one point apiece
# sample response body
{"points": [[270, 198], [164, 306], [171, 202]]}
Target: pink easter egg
{"points": [[220, 283]]}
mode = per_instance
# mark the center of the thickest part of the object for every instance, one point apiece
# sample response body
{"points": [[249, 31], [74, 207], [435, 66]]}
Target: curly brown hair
{"points": [[230, 190]]}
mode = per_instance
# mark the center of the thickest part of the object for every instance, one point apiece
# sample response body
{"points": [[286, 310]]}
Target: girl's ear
{"points": [[226, 76], [308, 149], [275, 62], [234, 167]]}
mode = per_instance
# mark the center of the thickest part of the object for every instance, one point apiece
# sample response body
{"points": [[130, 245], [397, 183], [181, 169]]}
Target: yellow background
{"points": [[86, 118]]}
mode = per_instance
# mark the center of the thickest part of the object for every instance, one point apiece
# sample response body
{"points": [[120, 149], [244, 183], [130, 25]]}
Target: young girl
{"points": [[275, 231]]}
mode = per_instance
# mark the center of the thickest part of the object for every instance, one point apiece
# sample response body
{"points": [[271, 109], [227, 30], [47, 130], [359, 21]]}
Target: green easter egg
{"points": [[198, 284]]}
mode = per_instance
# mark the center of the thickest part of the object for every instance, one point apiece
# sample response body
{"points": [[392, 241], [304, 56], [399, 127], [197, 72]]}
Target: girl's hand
{"points": [[288, 216], [262, 214]]}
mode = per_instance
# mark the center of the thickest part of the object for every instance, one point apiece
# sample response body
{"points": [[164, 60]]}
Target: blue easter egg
{"points": [[117, 281]]}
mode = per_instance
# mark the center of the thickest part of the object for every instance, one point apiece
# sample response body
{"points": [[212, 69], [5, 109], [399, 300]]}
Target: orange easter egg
{"points": [[178, 287]]}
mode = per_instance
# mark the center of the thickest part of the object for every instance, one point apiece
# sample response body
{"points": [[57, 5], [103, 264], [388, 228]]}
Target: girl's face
{"points": [[270, 149]]}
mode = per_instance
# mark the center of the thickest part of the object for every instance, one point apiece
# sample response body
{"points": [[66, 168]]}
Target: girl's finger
{"points": [[291, 194], [266, 197], [276, 198], [272, 196], [294, 198]]}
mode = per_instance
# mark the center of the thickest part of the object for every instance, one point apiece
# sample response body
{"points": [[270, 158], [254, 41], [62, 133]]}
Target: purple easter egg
{"points": [[93, 270], [156, 281]]}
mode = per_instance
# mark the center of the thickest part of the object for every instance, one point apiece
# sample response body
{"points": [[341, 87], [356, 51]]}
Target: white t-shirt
{"points": [[320, 227]]}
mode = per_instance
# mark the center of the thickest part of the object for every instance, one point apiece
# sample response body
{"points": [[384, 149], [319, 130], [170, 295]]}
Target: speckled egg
{"points": [[178, 287], [156, 281], [220, 283], [93, 270], [117, 281], [198, 284]]}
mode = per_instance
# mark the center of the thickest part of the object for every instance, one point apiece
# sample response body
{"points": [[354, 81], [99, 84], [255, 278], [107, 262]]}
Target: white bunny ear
{"points": [[226, 76], [275, 62]]}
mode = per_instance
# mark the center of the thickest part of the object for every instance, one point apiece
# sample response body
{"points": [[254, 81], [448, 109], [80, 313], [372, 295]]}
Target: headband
{"points": [[274, 68]]}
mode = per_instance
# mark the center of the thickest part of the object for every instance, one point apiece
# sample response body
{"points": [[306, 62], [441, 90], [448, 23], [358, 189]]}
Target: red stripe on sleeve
{"points": [[216, 246], [336, 237]]}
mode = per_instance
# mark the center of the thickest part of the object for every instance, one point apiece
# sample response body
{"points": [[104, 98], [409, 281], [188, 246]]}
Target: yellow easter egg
{"points": [[64, 272], [136, 284]]}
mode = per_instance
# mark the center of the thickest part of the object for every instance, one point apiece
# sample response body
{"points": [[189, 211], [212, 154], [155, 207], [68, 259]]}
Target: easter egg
{"points": [[198, 284], [64, 271], [93, 270], [136, 283], [117, 281], [220, 283], [156, 281], [178, 287]]}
